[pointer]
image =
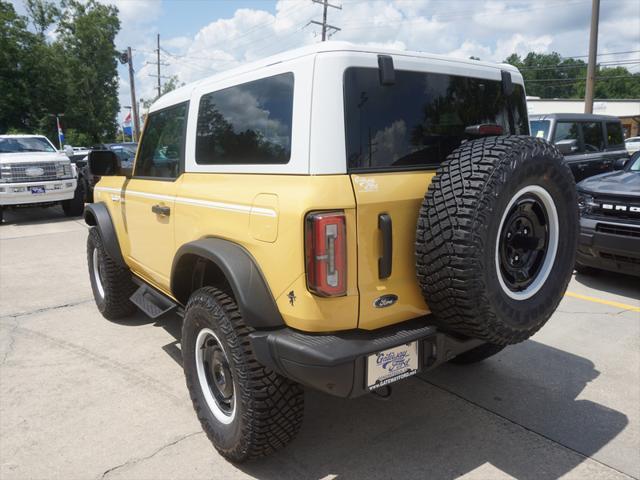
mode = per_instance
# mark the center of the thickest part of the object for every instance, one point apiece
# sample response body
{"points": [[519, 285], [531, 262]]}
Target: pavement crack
{"points": [[46, 309], [12, 341], [513, 422], [136, 460]]}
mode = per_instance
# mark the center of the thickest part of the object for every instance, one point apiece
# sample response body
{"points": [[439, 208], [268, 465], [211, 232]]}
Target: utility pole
{"points": [[593, 54], [157, 63], [325, 26], [158, 60], [127, 57]]}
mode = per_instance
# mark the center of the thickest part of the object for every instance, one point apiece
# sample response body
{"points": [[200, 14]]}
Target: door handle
{"points": [[384, 262], [161, 210]]}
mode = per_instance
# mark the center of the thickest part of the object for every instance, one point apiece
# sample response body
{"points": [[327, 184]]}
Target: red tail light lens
{"points": [[326, 253]]}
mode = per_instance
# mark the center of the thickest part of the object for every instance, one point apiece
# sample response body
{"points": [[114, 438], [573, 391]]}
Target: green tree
{"points": [[42, 14], [86, 35], [552, 76]]}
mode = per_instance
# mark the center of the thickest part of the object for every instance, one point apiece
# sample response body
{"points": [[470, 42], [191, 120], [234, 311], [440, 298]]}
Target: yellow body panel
{"points": [[399, 195], [265, 214]]}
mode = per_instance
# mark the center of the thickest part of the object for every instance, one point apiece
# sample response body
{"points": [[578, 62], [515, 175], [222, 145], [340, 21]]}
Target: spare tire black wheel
{"points": [[497, 237]]}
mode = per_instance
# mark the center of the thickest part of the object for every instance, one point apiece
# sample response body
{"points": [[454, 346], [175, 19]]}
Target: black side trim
{"points": [[384, 262], [241, 272], [97, 214]]}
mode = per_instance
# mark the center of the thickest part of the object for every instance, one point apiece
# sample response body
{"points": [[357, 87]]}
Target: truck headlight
{"points": [[63, 169], [586, 203]]}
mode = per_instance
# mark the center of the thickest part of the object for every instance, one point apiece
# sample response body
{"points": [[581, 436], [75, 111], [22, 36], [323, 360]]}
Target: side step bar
{"points": [[152, 302]]}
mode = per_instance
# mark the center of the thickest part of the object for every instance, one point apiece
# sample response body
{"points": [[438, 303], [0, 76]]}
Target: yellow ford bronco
{"points": [[336, 217]]}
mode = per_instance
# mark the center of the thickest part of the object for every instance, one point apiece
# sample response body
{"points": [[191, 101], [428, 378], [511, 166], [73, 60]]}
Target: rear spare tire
{"points": [[496, 238]]}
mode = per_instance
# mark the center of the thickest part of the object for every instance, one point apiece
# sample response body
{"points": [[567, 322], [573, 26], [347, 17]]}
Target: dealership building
{"points": [[627, 110]]}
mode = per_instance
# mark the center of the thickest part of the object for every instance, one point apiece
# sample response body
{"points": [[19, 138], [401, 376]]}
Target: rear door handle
{"points": [[384, 262], [161, 210]]}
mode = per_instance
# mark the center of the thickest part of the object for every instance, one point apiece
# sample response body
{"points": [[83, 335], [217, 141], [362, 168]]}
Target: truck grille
{"points": [[618, 207], [613, 229], [17, 172]]}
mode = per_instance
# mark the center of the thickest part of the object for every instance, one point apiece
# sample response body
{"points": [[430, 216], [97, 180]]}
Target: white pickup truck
{"points": [[34, 173]]}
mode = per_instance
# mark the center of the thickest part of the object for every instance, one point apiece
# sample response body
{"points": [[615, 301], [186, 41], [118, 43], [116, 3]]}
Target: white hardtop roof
{"points": [[183, 94]]}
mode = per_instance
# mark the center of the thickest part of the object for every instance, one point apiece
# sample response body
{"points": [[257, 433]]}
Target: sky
{"points": [[199, 38]]}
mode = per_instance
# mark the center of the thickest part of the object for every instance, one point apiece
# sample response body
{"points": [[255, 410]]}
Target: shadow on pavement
{"points": [[35, 215], [451, 421], [611, 282]]}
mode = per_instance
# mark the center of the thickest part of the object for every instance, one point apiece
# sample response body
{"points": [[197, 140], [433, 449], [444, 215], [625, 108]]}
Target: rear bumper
{"points": [[608, 251], [13, 194], [336, 363]]}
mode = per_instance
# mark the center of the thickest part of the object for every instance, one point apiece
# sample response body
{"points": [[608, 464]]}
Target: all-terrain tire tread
{"points": [[116, 281], [453, 215], [274, 405]]}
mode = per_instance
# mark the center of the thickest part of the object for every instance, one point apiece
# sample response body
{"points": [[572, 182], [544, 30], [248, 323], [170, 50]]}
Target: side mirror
{"points": [[567, 147], [104, 163], [68, 150], [619, 163]]}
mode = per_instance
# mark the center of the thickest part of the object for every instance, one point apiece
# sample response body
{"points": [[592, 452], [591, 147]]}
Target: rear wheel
{"points": [[246, 410], [496, 239]]}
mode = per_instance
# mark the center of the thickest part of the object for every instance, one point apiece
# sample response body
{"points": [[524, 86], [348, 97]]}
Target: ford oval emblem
{"points": [[385, 301], [34, 171]]}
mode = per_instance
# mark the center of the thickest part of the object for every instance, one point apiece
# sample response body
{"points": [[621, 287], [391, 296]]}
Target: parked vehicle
{"points": [[632, 144], [336, 217], [34, 173], [591, 144], [610, 220], [125, 151]]}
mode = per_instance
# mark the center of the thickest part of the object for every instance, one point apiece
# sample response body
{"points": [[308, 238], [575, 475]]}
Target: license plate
{"points": [[392, 365], [38, 190]]}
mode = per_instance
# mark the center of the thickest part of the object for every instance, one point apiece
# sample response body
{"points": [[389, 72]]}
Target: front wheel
{"points": [[111, 284], [246, 410], [75, 206]]}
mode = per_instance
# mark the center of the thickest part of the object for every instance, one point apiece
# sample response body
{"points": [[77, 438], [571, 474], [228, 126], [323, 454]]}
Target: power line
{"points": [[580, 65], [630, 77]]}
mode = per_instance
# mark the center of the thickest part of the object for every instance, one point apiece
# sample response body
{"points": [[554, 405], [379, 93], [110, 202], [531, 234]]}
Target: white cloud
{"points": [[489, 29]]}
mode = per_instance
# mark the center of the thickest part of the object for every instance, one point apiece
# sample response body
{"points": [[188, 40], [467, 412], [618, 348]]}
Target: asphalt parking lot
{"points": [[85, 398]]}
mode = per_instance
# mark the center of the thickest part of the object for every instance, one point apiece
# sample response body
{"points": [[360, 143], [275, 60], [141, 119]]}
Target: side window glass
{"points": [[162, 149], [247, 123], [567, 131], [593, 138], [614, 135]]}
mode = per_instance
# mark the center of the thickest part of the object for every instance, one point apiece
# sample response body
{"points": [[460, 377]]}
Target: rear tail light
{"points": [[326, 253]]}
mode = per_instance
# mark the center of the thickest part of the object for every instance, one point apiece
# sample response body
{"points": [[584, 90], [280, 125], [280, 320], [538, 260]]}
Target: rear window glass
{"points": [[614, 134], [421, 119], [248, 123]]}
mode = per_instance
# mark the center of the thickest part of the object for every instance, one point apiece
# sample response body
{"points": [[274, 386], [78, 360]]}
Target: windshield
{"points": [[540, 128], [421, 118], [25, 144]]}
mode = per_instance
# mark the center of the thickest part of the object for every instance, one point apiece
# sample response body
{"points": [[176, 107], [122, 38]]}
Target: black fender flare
{"points": [[249, 287], [97, 215]]}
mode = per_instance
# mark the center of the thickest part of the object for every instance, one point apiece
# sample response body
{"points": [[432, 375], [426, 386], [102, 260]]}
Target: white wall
{"points": [[630, 108]]}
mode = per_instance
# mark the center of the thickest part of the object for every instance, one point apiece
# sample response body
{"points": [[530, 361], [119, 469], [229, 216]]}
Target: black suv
{"points": [[610, 220], [591, 144]]}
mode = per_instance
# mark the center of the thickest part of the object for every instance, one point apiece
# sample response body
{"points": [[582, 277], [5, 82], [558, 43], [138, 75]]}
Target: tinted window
{"points": [[568, 131], [419, 120], [248, 123], [162, 149], [593, 138], [540, 128], [614, 134]]}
